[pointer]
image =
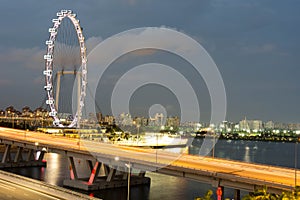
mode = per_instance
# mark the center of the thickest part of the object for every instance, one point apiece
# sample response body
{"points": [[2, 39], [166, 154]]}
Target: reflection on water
{"points": [[247, 156], [57, 171], [271, 153], [168, 187]]}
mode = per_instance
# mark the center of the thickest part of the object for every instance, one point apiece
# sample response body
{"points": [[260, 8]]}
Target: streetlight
{"points": [[296, 160], [13, 120], [162, 128], [128, 178], [156, 148], [137, 126], [138, 132], [214, 143]]}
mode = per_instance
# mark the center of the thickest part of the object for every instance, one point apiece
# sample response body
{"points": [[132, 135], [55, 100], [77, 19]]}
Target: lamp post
{"points": [[137, 126], [156, 146], [128, 178], [138, 132], [296, 160], [214, 143], [162, 128], [12, 121]]}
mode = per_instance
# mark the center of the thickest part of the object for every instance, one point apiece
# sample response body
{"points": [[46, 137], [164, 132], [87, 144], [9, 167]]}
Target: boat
{"points": [[155, 140]]}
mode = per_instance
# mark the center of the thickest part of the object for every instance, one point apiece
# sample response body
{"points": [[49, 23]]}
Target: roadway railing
{"points": [[43, 187]]}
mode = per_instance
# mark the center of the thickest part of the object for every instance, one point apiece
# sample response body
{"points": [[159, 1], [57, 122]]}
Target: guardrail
{"points": [[44, 187]]}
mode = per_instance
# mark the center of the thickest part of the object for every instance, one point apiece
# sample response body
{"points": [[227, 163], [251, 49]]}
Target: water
{"points": [[175, 188], [270, 153]]}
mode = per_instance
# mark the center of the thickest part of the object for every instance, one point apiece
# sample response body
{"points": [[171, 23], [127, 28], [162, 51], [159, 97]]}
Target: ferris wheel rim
{"points": [[49, 67]]}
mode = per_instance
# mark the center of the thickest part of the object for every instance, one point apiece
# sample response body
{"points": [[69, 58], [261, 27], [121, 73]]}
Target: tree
{"points": [[294, 195], [261, 194], [207, 196]]}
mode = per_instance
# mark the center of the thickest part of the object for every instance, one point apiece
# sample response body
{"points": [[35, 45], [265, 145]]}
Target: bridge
{"points": [[114, 159], [17, 187]]}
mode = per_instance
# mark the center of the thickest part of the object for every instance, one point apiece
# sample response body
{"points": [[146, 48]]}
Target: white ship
{"points": [[155, 140]]}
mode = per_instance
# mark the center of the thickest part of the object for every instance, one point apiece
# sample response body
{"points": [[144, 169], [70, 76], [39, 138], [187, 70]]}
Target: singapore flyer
{"points": [[65, 58]]}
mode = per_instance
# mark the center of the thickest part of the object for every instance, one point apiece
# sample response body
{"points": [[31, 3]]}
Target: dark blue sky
{"points": [[254, 43]]}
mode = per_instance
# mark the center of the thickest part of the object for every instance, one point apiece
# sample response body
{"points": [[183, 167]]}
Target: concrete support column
{"points": [[18, 156], [222, 197], [111, 175], [115, 176], [6, 155], [73, 172], [220, 192], [123, 173], [237, 194], [106, 169], [142, 173], [94, 173], [30, 156], [41, 156], [90, 164]]}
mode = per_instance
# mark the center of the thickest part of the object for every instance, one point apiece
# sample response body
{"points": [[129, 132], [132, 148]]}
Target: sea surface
{"points": [[165, 187]]}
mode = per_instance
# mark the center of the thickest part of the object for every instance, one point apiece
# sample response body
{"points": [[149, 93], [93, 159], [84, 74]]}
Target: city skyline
{"points": [[156, 119], [254, 45]]}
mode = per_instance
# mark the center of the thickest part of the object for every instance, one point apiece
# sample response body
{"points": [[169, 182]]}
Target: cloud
{"points": [[5, 82], [258, 49], [30, 58], [92, 42], [124, 42]]}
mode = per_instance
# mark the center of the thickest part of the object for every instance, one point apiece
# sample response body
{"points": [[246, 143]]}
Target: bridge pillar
{"points": [[111, 177], [41, 156], [222, 196], [142, 173], [12, 156], [94, 173], [6, 156], [73, 172], [18, 156], [220, 192], [30, 155], [90, 164], [106, 169], [237, 194]]}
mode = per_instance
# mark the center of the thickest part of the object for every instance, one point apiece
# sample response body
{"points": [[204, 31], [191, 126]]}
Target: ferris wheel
{"points": [[62, 52]]}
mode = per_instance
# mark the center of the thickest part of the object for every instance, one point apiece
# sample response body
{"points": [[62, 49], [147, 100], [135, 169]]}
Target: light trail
{"points": [[220, 167]]}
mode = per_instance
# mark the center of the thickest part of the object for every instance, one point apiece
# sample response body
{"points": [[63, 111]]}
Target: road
{"points": [[217, 167], [9, 190]]}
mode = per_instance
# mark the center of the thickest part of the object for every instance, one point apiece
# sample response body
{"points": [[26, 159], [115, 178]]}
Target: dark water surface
{"points": [[165, 187]]}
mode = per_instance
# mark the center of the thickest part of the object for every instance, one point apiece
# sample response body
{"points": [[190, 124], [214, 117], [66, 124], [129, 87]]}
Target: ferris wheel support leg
{"points": [[57, 90], [78, 98]]}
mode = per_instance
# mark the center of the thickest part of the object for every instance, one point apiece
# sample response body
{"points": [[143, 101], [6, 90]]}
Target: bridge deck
{"points": [[18, 187], [234, 174]]}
